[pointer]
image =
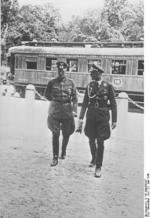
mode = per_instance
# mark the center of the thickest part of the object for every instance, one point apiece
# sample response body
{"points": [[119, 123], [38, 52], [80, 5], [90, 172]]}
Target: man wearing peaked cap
{"points": [[96, 72], [96, 100], [61, 63], [61, 92], [96, 67]]}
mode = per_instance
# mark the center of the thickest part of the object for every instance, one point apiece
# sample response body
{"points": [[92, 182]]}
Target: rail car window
{"points": [[90, 62], [140, 67], [72, 65], [118, 66], [31, 65], [50, 64]]}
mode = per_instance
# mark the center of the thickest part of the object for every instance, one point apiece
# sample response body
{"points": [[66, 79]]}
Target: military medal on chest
{"points": [[105, 84], [105, 91], [91, 92], [98, 92]]}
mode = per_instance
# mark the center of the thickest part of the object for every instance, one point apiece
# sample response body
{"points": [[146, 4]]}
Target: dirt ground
{"points": [[30, 188]]}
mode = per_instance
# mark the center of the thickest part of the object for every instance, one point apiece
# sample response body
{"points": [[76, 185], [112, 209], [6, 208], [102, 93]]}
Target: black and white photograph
{"points": [[74, 139]]}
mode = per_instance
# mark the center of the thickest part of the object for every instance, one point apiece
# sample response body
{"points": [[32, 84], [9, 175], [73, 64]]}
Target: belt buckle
{"points": [[96, 104]]}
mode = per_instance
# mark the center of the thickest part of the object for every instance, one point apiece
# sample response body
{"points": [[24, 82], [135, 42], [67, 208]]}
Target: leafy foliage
{"points": [[133, 22], [9, 10], [29, 22], [118, 20], [36, 22]]}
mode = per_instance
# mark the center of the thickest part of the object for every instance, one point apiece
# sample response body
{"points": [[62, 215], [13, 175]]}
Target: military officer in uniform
{"points": [[98, 99], [61, 92]]}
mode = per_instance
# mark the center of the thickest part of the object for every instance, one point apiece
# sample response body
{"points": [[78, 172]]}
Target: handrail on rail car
{"points": [[108, 44]]}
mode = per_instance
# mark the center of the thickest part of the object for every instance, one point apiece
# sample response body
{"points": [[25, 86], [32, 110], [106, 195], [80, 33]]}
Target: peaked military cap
{"points": [[96, 67], [61, 63]]}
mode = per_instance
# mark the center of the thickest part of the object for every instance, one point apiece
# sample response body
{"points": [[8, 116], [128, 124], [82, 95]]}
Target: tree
{"points": [[111, 19], [99, 24], [38, 22], [9, 10], [125, 19], [118, 20], [133, 21], [29, 22], [81, 29]]}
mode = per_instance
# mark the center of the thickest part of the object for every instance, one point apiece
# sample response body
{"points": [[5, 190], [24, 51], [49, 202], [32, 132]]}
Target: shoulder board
{"points": [[52, 79], [71, 80]]}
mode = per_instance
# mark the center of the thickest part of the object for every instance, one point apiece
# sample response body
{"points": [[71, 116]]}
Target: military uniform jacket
{"points": [[98, 99], [63, 97]]}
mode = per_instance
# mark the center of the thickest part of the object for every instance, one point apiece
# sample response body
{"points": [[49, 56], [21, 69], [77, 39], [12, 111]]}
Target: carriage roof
{"points": [[77, 51]]}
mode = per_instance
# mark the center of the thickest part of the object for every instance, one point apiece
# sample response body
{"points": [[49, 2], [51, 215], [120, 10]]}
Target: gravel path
{"points": [[30, 188]]}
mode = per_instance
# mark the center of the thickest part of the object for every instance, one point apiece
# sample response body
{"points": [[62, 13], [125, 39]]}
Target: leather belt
{"points": [[98, 105]]}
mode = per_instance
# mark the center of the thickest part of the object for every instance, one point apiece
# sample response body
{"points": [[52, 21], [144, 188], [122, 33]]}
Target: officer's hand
{"points": [[79, 128], [74, 114], [113, 126]]}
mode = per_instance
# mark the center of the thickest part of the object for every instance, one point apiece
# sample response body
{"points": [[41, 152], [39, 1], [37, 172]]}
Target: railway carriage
{"points": [[123, 66]]}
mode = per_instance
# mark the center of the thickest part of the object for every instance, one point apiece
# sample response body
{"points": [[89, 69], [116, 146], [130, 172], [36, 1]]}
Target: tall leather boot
{"points": [[64, 146], [93, 151], [55, 142], [99, 158]]}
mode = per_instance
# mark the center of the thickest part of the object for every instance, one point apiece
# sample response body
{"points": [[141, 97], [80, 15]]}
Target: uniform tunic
{"points": [[63, 97], [98, 99]]}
